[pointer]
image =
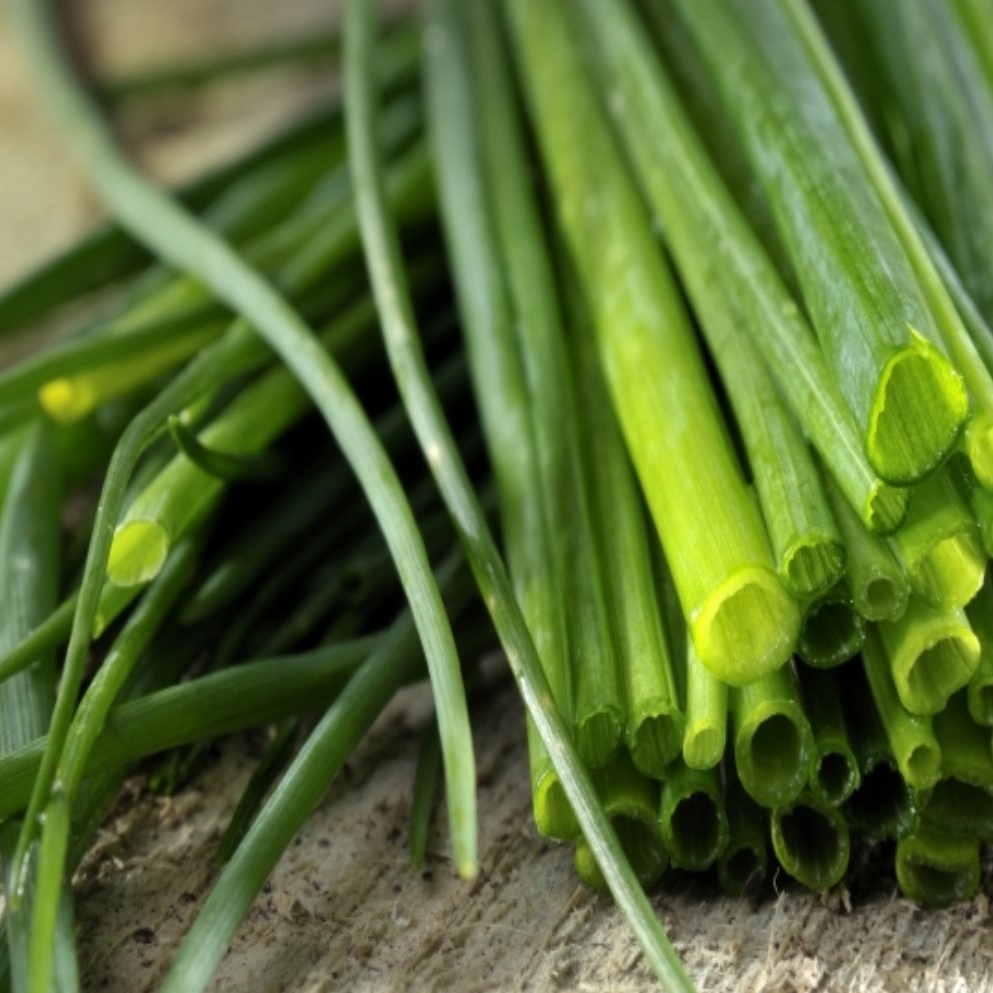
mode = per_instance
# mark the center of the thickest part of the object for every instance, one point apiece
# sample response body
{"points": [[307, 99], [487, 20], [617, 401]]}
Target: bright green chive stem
{"points": [[271, 766], [184, 243], [743, 862], [835, 775], [228, 467], [425, 787], [877, 583], [806, 546], [29, 575], [742, 620], [948, 328], [234, 699], [468, 213], [706, 722], [631, 801], [931, 654], [694, 823], [962, 800], [937, 869], [980, 694], [811, 841], [859, 286], [435, 438], [703, 223], [910, 736], [538, 331], [654, 720], [773, 743], [831, 629], [180, 497], [883, 806], [327, 748], [975, 17], [938, 545]]}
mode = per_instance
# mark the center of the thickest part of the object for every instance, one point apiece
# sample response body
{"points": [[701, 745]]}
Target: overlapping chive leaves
{"points": [[724, 319]]}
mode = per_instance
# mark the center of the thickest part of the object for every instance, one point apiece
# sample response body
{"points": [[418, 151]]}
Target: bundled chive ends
{"points": [[654, 343]]}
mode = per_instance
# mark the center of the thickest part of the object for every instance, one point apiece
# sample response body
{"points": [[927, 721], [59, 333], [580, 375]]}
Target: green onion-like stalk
{"points": [[811, 841], [980, 615], [743, 863], [773, 743], [835, 775], [692, 815], [931, 653], [705, 728], [832, 629], [936, 868], [631, 800]]}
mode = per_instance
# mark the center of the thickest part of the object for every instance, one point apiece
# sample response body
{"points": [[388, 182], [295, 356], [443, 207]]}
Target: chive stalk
{"points": [[692, 816], [811, 841], [883, 805], [931, 654], [831, 628], [742, 620], [938, 545], [425, 787], [835, 775], [861, 289], [631, 801], [744, 861], [910, 736], [936, 868], [654, 720], [773, 743], [702, 224], [877, 582], [962, 800], [706, 721]]}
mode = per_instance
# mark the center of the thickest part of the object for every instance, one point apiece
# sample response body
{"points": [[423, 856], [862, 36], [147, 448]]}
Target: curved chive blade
{"points": [[910, 736], [705, 733], [883, 806], [948, 328], [937, 869], [327, 748], [811, 841], [743, 863], [962, 800], [654, 721], [692, 816], [876, 580], [773, 744], [705, 227], [831, 629], [980, 694], [872, 318], [631, 801], [835, 775], [742, 620], [938, 545], [434, 436], [931, 654]]}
